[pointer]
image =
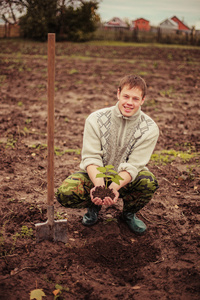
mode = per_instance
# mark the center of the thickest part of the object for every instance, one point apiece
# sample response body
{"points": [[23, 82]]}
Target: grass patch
{"points": [[167, 156], [143, 73], [20, 103], [59, 152], [39, 146], [132, 44], [167, 93], [2, 78], [73, 71], [150, 102], [11, 141]]}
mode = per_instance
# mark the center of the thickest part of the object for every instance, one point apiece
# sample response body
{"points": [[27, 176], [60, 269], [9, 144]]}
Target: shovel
{"points": [[51, 230]]}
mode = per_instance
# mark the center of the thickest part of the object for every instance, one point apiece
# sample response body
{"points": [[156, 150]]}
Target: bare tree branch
{"points": [[12, 13], [10, 8]]}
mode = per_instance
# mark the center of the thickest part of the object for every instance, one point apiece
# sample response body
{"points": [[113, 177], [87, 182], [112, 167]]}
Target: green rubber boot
{"points": [[136, 225], [91, 217]]}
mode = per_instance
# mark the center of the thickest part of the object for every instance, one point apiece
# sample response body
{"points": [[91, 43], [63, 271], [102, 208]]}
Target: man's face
{"points": [[130, 100]]}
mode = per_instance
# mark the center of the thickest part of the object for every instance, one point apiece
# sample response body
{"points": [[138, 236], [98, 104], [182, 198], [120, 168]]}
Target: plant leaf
{"points": [[110, 167], [100, 175], [113, 171], [59, 287], [101, 169], [110, 176], [109, 173], [119, 177], [37, 294], [116, 181]]}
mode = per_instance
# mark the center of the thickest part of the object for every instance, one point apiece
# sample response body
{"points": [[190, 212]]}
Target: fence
{"points": [[155, 35], [9, 30]]}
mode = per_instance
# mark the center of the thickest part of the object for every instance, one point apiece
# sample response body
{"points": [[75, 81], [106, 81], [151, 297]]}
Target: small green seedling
{"points": [[59, 289], [109, 174], [26, 232]]}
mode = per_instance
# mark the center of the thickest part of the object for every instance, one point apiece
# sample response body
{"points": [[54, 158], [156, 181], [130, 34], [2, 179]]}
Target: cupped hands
{"points": [[108, 201]]}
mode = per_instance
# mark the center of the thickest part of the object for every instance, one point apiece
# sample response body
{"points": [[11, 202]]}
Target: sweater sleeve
{"points": [[141, 153], [91, 151]]}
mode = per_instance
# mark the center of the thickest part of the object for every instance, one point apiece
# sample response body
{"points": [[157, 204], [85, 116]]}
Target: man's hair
{"points": [[133, 81]]}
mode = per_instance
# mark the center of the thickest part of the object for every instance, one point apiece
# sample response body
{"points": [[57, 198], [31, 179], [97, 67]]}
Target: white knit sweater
{"points": [[126, 143]]}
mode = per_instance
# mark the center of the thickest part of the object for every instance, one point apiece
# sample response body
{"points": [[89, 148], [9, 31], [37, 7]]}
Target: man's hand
{"points": [[96, 200], [109, 201], [106, 201]]}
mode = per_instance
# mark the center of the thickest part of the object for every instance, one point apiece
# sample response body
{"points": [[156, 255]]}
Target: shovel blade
{"points": [[56, 231], [60, 231]]}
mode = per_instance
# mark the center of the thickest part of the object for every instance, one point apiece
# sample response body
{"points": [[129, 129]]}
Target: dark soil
{"points": [[106, 261], [102, 192]]}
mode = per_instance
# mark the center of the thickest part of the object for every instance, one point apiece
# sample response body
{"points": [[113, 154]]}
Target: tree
{"points": [[39, 19], [11, 9], [77, 23], [72, 19]]}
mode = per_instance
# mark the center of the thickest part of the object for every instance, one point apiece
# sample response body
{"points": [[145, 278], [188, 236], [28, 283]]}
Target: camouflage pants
{"points": [[75, 191]]}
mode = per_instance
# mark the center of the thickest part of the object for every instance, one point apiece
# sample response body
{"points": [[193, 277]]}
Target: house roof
{"points": [[116, 22], [174, 23], [180, 23], [140, 19], [169, 23]]}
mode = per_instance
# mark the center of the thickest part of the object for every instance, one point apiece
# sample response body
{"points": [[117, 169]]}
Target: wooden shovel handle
{"points": [[50, 121]]}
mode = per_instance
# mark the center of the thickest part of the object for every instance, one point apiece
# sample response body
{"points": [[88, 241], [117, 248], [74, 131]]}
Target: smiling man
{"points": [[122, 136], [130, 100]]}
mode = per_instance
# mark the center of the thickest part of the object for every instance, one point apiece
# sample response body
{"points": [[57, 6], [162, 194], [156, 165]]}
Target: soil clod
{"points": [[102, 192]]}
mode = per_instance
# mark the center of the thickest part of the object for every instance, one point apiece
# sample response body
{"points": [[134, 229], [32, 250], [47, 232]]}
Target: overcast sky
{"points": [[155, 11]]}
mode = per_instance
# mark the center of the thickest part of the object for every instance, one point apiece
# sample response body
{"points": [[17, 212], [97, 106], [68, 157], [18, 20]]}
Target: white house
{"points": [[116, 23], [168, 25]]}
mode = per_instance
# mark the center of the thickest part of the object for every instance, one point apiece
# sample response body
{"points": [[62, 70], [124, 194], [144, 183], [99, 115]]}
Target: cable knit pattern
{"points": [[125, 143]]}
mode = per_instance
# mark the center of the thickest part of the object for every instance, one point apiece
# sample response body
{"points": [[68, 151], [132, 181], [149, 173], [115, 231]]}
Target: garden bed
{"points": [[106, 261]]}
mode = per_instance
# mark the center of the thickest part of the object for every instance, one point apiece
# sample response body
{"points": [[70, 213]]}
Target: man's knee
{"points": [[64, 200], [147, 181], [74, 190]]}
